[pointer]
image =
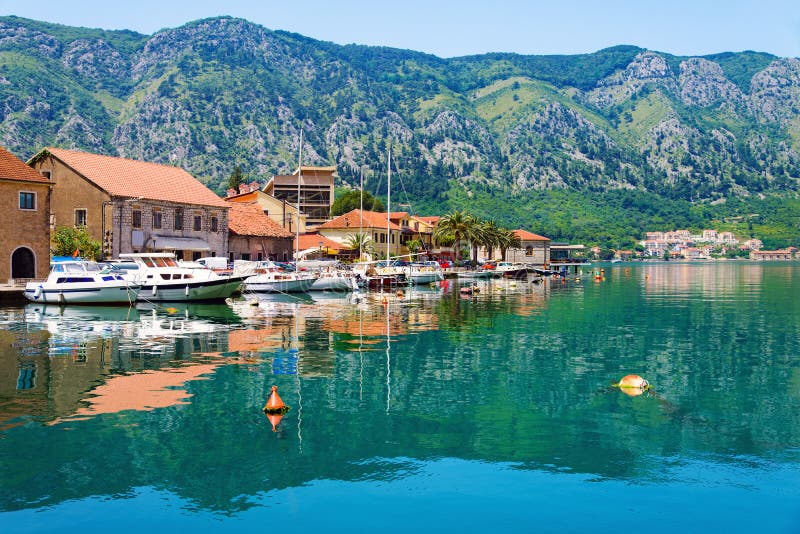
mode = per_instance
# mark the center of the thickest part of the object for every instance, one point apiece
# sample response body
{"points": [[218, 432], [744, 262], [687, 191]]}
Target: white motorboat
{"points": [[335, 280], [508, 269], [163, 279], [482, 274], [77, 281], [267, 277], [424, 273]]}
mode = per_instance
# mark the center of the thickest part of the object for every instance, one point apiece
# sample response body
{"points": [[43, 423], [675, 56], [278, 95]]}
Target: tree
{"points": [[508, 239], [67, 240], [352, 201], [361, 241], [236, 178], [456, 226], [414, 245]]}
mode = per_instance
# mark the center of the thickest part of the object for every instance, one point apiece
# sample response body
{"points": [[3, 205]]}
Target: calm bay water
{"points": [[434, 412]]}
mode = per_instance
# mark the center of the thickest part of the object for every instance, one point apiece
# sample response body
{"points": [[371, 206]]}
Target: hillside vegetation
{"points": [[592, 147]]}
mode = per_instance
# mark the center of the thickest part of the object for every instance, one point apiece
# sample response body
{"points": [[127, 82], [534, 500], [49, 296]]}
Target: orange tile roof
{"points": [[524, 235], [308, 241], [398, 214], [249, 219], [352, 219], [139, 179], [13, 168], [433, 219]]}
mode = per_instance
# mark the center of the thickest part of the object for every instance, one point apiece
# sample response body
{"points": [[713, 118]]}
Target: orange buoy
{"points": [[275, 403], [400, 293], [385, 301], [274, 419]]}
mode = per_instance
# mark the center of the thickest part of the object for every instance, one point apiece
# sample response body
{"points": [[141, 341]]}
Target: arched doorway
{"points": [[23, 263]]}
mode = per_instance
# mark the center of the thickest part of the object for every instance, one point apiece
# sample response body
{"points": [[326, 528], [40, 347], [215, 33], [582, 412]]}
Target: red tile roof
{"points": [[249, 219], [312, 240], [398, 214], [13, 168], [524, 235], [432, 219], [138, 179], [372, 219]]}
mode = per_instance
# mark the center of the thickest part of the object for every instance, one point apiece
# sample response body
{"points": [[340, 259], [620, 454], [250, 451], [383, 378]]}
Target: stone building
{"points": [[134, 206], [254, 236], [24, 216], [534, 249]]}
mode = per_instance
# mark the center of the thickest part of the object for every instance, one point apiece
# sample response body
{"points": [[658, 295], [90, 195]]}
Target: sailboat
{"points": [[385, 276]]}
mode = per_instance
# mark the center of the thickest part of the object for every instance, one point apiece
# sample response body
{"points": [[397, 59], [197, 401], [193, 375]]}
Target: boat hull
{"points": [[476, 275], [334, 283], [264, 284], [423, 278], [87, 294], [205, 290]]}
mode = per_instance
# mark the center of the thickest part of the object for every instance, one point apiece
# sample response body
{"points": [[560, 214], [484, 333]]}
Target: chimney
{"points": [[230, 192]]}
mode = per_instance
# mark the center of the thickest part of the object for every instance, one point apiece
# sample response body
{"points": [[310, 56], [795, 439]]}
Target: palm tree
{"points": [[361, 241], [458, 226], [508, 239], [487, 234]]}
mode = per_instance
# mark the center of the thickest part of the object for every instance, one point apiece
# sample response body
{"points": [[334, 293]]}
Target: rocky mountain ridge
{"points": [[220, 92]]}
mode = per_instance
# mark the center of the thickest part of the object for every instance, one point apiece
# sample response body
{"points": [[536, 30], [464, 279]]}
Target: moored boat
{"points": [[483, 274], [78, 281], [506, 269], [163, 279], [267, 277]]}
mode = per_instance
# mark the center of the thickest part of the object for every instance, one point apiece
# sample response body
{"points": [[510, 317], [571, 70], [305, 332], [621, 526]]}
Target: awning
{"points": [[176, 243]]}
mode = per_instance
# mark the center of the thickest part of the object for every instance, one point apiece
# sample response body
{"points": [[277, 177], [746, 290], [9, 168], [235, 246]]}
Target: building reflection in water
{"points": [[69, 362]]}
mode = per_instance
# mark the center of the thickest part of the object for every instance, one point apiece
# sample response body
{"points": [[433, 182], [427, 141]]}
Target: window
{"points": [[214, 224], [246, 256], [27, 201], [46, 174], [179, 219], [198, 223], [80, 217], [157, 219], [136, 218]]}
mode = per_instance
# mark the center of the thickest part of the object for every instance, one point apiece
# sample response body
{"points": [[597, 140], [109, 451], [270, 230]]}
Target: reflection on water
{"points": [[383, 387]]}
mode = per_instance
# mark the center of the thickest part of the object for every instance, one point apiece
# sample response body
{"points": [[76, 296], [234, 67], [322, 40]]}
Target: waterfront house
{"points": [[534, 249], [254, 236], [315, 186], [774, 255], [278, 210], [371, 223], [25, 218], [134, 206]]}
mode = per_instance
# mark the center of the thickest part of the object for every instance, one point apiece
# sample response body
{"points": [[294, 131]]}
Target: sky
{"points": [[449, 28]]}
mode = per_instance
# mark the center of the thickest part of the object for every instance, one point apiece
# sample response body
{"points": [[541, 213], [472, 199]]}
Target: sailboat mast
{"points": [[299, 176], [361, 218], [388, 202]]}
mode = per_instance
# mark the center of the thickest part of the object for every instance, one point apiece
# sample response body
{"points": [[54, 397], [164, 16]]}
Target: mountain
{"points": [[626, 137]]}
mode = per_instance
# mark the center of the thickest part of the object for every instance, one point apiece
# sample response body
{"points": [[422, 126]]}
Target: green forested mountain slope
{"points": [[627, 138]]}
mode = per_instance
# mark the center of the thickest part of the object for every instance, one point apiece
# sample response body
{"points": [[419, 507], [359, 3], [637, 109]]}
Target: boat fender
{"points": [[154, 291], [186, 290], [37, 292]]}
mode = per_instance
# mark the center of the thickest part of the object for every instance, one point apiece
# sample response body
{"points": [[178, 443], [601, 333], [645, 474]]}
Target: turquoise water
{"points": [[432, 412]]}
